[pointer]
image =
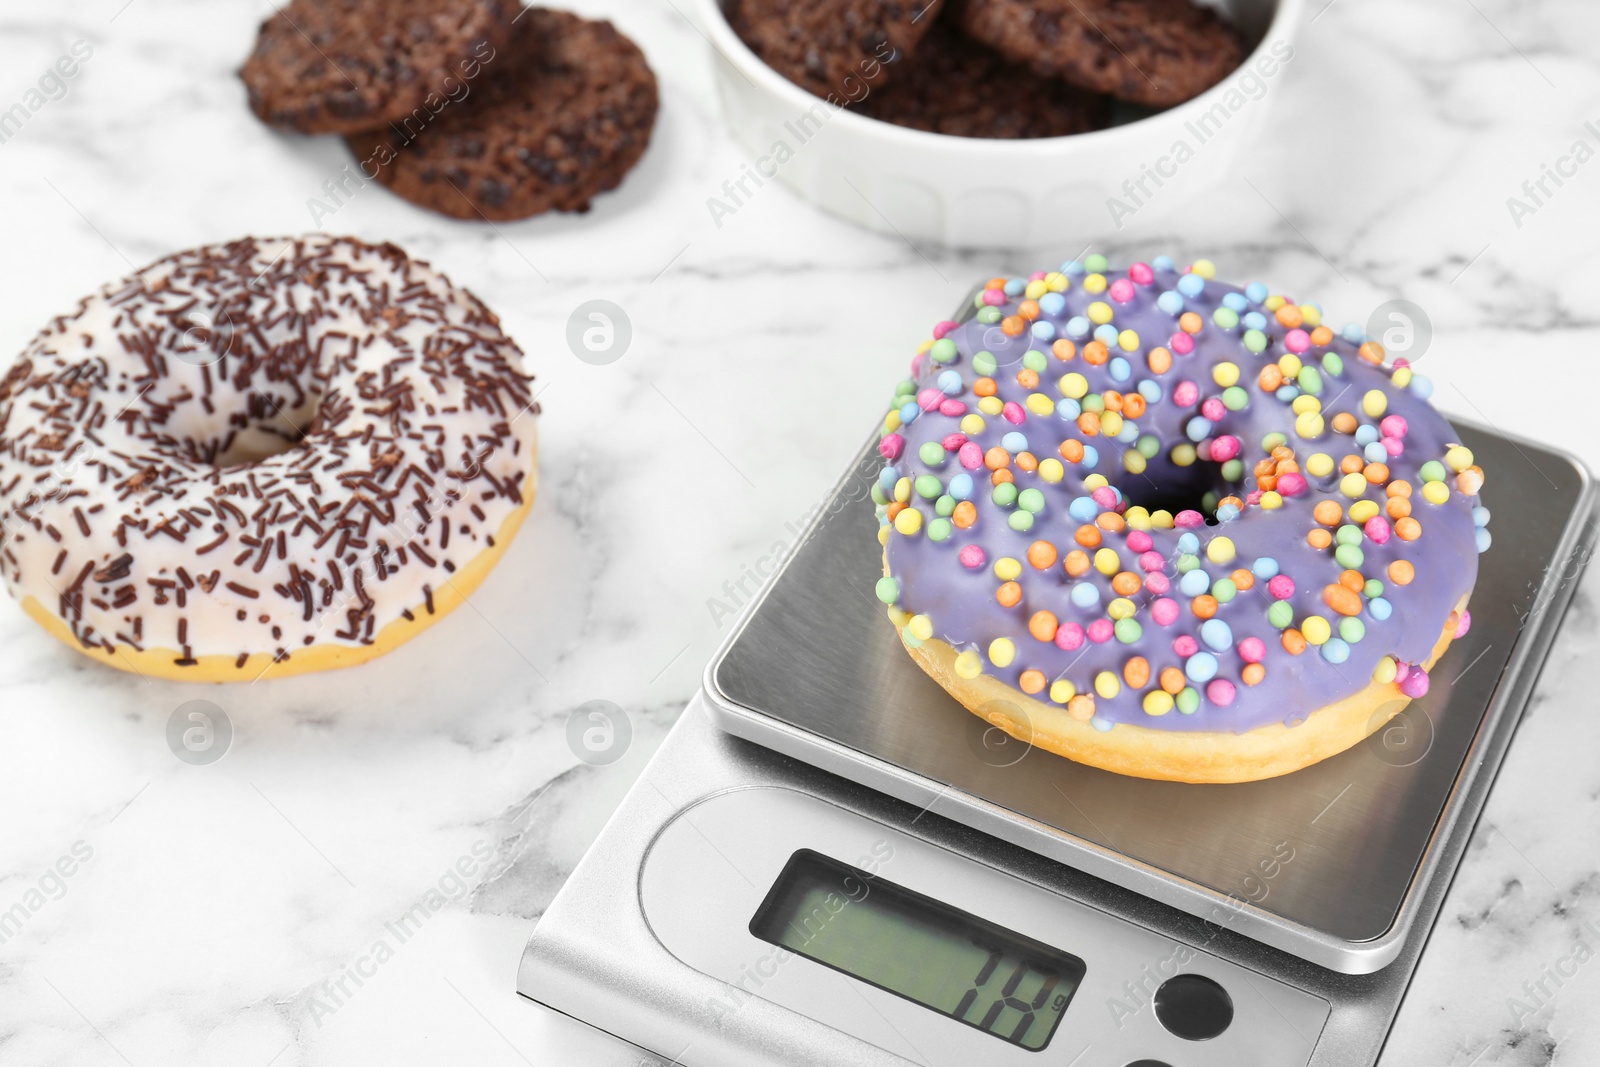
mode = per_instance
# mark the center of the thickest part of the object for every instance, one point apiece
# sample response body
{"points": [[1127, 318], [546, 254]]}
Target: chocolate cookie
{"points": [[561, 115], [342, 66], [1154, 52], [832, 48], [956, 86]]}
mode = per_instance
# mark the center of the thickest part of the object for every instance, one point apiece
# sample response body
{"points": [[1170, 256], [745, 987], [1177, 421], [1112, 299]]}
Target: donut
{"points": [[342, 66], [1170, 527], [277, 455], [562, 116]]}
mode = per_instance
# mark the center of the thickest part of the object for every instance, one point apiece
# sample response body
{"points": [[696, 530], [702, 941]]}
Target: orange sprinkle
{"points": [[1376, 473], [1032, 681], [985, 387], [1096, 353], [1136, 672], [1266, 482], [1372, 352], [1351, 464], [995, 283], [1344, 422], [1286, 466], [1283, 452], [1243, 580], [1399, 507], [1321, 336], [1341, 599], [1028, 379], [1270, 378], [1013, 325], [1126, 583], [1172, 680], [1009, 595], [1043, 555], [1027, 461], [996, 458], [895, 507], [1063, 349], [1189, 322], [1289, 315], [1401, 572], [965, 514], [1028, 309], [1294, 642], [1113, 400], [1081, 707], [1328, 512], [1235, 501], [1087, 536], [1400, 487], [1089, 424], [1408, 529], [1111, 522], [1071, 450], [1319, 538], [1001, 476], [1352, 580], [1159, 360], [1077, 563], [1204, 606], [1043, 625], [1133, 405], [1263, 468], [1253, 674]]}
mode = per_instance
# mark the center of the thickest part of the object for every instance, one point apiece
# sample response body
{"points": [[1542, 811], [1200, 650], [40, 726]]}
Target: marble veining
{"points": [[233, 913]]}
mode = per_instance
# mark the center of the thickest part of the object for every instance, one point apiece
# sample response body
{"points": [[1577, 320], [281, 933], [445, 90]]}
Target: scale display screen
{"points": [[919, 948]]}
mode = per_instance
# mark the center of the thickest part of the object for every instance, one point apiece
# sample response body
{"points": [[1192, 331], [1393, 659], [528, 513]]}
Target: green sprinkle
{"points": [[1350, 557], [888, 589], [1373, 588], [1187, 562], [1128, 630], [1348, 534], [932, 453], [945, 506], [1005, 494], [1432, 471], [943, 350], [1224, 590], [1233, 470], [1352, 629], [1281, 614], [1271, 441], [1189, 700], [1309, 380], [939, 530], [878, 496], [1148, 446], [1035, 361], [1031, 500], [1096, 263], [1093, 402], [1333, 363], [928, 487], [989, 315], [1234, 398], [1020, 521], [983, 362], [1255, 340], [1225, 317]]}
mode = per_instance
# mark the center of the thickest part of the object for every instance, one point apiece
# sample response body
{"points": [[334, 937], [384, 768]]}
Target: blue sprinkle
{"points": [[1091, 456], [1163, 263], [1421, 386], [1171, 302], [909, 412], [1083, 508], [1052, 303], [1484, 539], [1191, 285], [1254, 321], [950, 382], [1106, 334], [1043, 329], [1068, 408], [1287, 393], [1379, 608], [1129, 432], [1235, 302], [1072, 267], [1194, 583], [1255, 292], [1102, 724], [1188, 543], [1120, 371], [1215, 633], [887, 477], [1353, 333], [1014, 442], [1150, 390], [1335, 650], [1375, 453], [1085, 594], [1227, 513], [1366, 433], [1202, 666], [1077, 327], [961, 486], [1197, 428], [1016, 287], [1480, 516], [1265, 568]]}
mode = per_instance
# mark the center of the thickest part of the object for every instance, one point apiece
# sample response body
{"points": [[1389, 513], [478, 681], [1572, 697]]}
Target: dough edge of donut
{"points": [[322, 656], [1198, 757]]}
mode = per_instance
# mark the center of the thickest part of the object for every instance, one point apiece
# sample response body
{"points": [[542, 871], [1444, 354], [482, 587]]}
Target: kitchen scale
{"points": [[830, 861]]}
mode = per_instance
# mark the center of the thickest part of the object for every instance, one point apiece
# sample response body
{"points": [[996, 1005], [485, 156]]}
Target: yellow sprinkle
{"points": [[921, 627], [1402, 377], [1308, 425], [1290, 365], [1036, 289], [1074, 385], [1273, 302], [1305, 402], [1375, 403], [1435, 492], [972, 424], [1271, 500], [1134, 462], [1106, 561], [1311, 316], [891, 421], [883, 535], [1057, 282], [1157, 702], [1120, 608], [902, 490], [1319, 464], [1353, 485], [898, 616], [1128, 341], [1458, 458], [1062, 691], [924, 346], [1094, 283], [1183, 455], [1385, 671], [1362, 510], [1002, 652], [1111, 423], [1225, 374], [1095, 481], [991, 405], [909, 521], [1039, 404], [1205, 268], [1051, 470], [1107, 684], [1161, 519], [1315, 630], [1007, 569], [1099, 312], [969, 664], [1136, 517], [1221, 550]]}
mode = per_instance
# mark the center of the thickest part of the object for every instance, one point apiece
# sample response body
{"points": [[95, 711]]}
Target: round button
{"points": [[1193, 1007], [1147, 1063]]}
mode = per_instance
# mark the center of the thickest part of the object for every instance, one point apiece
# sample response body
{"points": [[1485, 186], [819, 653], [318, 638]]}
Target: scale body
{"points": [[817, 743]]}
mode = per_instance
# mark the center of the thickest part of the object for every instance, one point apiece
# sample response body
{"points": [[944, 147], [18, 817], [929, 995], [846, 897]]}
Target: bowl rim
{"points": [[1283, 24]]}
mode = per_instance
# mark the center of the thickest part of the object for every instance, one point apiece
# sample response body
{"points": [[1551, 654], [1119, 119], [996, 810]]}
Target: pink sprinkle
{"points": [[919, 365], [952, 442], [1213, 409], [1122, 290], [1401, 361], [1036, 276], [1220, 692], [1164, 611], [1013, 413], [1186, 646], [1141, 273], [1291, 484], [1101, 631], [1185, 394], [1394, 446], [1069, 636], [1139, 541], [1187, 518], [1297, 340], [1252, 498], [1400, 672], [1181, 343], [891, 447], [972, 557], [1105, 496], [994, 297], [1224, 448], [1377, 528], [929, 399], [942, 328], [1415, 684], [953, 408], [1281, 587], [971, 456], [1465, 624], [1393, 426], [1157, 582], [1252, 650]]}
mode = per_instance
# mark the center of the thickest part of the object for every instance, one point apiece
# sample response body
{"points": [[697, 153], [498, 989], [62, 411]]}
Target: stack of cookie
{"points": [[478, 109], [992, 68]]}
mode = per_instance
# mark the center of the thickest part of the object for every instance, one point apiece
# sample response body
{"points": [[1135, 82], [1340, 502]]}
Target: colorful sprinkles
{"points": [[1089, 450]]}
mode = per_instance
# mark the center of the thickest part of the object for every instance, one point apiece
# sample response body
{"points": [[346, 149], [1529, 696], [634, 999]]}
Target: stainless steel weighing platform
{"points": [[1306, 900]]}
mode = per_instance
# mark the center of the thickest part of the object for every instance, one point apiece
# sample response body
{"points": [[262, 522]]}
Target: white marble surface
{"points": [[218, 900]]}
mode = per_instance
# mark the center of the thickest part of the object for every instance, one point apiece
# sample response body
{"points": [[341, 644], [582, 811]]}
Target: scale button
{"points": [[1193, 1007]]}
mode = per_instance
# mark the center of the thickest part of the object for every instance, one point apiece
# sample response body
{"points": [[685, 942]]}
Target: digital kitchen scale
{"points": [[830, 861]]}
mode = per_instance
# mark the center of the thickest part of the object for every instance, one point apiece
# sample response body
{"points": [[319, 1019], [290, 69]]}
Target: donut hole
{"points": [[1168, 487]]}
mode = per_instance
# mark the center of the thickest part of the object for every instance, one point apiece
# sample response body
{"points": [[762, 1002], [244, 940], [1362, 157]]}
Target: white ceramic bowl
{"points": [[972, 192]]}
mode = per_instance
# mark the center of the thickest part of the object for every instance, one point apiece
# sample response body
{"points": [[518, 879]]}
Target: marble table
{"points": [[352, 883]]}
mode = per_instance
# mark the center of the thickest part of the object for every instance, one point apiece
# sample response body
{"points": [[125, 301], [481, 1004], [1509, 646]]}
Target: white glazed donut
{"points": [[286, 455]]}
